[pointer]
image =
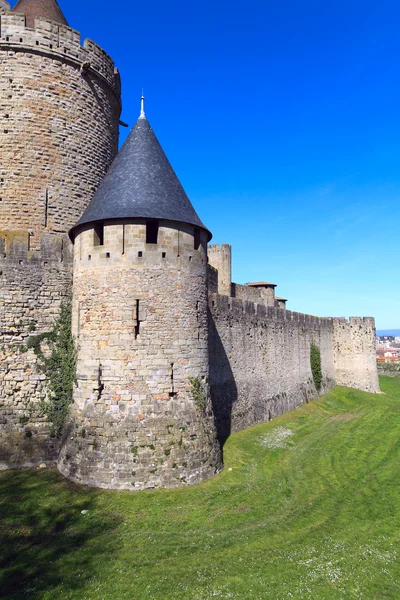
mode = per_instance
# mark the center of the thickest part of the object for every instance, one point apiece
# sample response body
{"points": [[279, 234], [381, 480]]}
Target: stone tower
{"points": [[59, 111], [142, 414], [60, 107]]}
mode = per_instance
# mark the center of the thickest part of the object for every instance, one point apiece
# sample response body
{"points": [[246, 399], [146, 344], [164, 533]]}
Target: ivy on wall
{"points": [[59, 366], [316, 369], [198, 393]]}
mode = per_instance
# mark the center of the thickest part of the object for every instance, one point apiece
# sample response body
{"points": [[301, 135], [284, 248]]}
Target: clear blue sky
{"points": [[282, 120]]}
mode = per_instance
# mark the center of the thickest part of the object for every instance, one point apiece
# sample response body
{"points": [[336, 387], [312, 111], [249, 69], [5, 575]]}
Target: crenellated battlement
{"points": [[354, 321], [16, 251], [124, 245], [226, 247], [59, 41], [239, 307], [4, 6]]}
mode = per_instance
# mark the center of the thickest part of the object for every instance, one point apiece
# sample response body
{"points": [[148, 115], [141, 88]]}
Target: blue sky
{"points": [[282, 120]]}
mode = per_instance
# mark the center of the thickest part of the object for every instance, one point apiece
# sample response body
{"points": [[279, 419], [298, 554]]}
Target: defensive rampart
{"points": [[260, 359], [32, 286]]}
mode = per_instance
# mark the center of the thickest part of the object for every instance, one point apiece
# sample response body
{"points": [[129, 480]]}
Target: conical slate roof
{"points": [[140, 184], [35, 9]]}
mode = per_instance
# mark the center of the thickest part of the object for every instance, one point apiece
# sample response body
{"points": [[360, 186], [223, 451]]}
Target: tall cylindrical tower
{"points": [[59, 115], [142, 414], [59, 111]]}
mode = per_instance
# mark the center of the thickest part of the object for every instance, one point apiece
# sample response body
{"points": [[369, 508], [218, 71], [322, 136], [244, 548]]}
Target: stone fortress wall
{"points": [[140, 321], [33, 285], [59, 114], [146, 317], [260, 361], [260, 355]]}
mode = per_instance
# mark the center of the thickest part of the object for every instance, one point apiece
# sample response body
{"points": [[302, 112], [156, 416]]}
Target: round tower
{"points": [[141, 415], [59, 116], [59, 110]]}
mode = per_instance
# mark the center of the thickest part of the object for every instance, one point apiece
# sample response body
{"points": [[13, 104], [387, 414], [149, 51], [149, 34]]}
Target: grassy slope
{"points": [[317, 519]]}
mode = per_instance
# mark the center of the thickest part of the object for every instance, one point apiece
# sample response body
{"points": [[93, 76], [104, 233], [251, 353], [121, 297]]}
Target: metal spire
{"points": [[142, 115]]}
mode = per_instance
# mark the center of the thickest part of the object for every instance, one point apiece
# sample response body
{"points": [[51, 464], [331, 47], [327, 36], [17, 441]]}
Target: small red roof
{"points": [[261, 284], [35, 9]]}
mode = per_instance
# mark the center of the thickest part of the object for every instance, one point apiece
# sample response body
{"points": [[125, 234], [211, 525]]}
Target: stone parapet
{"points": [[60, 42], [125, 244], [238, 306], [16, 251]]}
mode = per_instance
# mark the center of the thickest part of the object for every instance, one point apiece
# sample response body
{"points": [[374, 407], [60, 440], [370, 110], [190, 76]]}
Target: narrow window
{"points": [[198, 319], [136, 319], [98, 234], [78, 319], [46, 208], [196, 238], [151, 232], [172, 393]]}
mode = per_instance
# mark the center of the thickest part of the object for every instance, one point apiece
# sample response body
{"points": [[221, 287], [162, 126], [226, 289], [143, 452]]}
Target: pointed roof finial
{"points": [[142, 115]]}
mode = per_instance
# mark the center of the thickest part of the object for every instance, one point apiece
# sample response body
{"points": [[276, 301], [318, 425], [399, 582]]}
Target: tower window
{"points": [[151, 232], [196, 238], [98, 234]]}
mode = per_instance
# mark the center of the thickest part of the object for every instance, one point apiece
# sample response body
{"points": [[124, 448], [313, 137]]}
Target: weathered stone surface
{"points": [[146, 317], [140, 320], [220, 257], [260, 361], [59, 134], [354, 353], [59, 129]]}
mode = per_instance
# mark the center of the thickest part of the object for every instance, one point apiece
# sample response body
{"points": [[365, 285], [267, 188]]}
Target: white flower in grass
{"points": [[277, 438]]}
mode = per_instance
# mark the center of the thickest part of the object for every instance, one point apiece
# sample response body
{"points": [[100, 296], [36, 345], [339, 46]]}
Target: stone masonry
{"points": [[260, 361], [172, 356], [4, 6], [32, 286], [140, 319], [59, 109]]}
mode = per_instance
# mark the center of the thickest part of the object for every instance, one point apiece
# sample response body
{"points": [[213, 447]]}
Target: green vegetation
{"points": [[316, 369], [198, 393], [307, 507], [59, 367], [389, 367]]}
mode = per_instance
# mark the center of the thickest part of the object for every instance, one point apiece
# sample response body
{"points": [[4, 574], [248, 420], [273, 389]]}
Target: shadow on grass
{"points": [[42, 532]]}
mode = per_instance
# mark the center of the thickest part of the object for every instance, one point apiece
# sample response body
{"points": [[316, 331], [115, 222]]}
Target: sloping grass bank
{"points": [[307, 507]]}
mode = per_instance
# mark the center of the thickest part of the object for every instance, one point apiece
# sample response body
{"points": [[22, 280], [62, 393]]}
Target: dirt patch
{"points": [[344, 417]]}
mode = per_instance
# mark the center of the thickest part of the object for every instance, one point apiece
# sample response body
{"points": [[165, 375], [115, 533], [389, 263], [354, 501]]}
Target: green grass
{"points": [[315, 519]]}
